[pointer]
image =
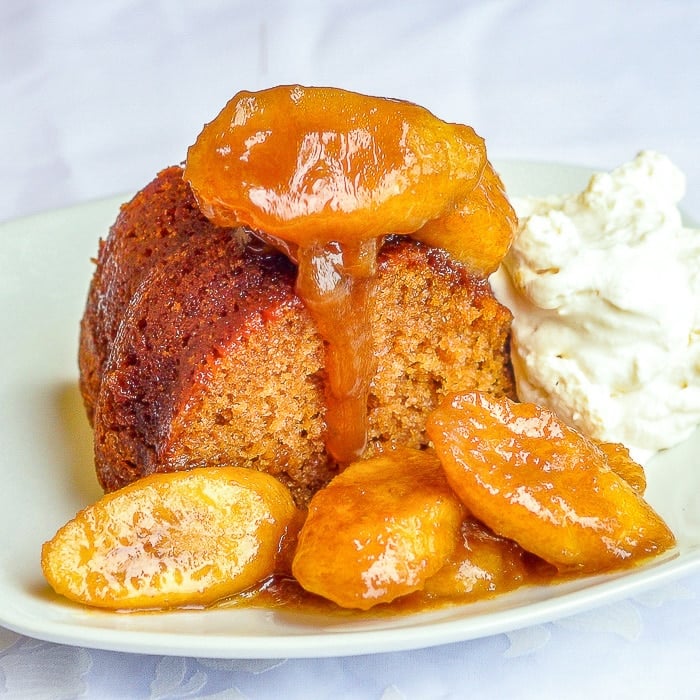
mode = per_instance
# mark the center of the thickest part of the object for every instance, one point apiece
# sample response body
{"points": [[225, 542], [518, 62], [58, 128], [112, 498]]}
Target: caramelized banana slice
{"points": [[313, 165], [378, 530], [531, 478], [477, 228], [168, 540], [623, 465], [482, 565]]}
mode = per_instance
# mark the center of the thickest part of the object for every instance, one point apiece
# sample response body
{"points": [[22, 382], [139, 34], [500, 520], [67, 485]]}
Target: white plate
{"points": [[47, 476]]}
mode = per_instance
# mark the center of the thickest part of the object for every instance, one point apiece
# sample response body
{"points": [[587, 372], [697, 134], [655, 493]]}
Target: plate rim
{"points": [[610, 589]]}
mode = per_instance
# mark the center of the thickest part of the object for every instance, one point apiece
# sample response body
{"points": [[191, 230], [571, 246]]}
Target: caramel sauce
{"points": [[283, 593], [337, 282]]}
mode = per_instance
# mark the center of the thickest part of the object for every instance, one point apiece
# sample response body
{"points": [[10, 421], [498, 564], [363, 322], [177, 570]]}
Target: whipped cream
{"points": [[604, 286]]}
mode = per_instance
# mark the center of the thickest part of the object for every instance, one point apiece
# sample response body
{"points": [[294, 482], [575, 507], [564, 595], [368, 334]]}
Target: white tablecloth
{"points": [[95, 97]]}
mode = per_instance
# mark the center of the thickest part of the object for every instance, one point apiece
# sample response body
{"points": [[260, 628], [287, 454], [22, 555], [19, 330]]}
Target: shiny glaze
{"points": [[312, 165], [519, 468], [337, 283]]}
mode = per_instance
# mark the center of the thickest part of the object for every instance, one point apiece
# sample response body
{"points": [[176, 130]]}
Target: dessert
{"points": [[605, 290], [298, 378]]}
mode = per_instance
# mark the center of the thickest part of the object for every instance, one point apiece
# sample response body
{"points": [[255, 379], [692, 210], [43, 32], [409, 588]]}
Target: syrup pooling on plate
{"points": [[325, 174]]}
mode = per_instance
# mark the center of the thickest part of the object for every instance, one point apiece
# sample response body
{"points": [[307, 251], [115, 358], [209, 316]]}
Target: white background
{"points": [[96, 97]]}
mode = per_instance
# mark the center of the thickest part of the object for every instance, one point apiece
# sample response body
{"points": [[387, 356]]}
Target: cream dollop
{"points": [[604, 286]]}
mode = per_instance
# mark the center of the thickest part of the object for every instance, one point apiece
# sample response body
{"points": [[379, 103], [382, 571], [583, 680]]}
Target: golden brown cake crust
{"points": [[195, 349], [148, 228]]}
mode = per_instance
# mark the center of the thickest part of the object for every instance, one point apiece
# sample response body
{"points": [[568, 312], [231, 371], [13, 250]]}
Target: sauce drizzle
{"points": [[337, 282]]}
